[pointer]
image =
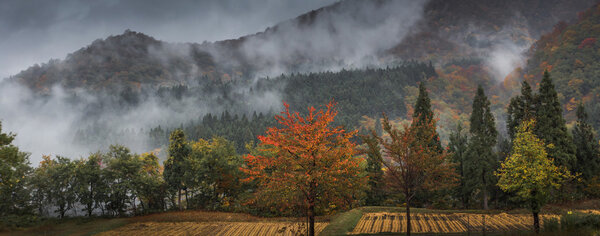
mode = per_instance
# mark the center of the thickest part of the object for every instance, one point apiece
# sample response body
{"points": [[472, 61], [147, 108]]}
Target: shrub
{"points": [[551, 225], [579, 221], [17, 221]]}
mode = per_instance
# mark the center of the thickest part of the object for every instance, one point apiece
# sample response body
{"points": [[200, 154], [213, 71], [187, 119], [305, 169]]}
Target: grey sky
{"points": [[36, 31]]}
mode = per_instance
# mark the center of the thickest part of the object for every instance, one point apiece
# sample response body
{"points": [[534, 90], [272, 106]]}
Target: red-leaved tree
{"points": [[312, 167], [410, 165]]}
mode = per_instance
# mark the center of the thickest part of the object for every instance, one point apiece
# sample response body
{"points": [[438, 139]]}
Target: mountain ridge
{"points": [[446, 30]]}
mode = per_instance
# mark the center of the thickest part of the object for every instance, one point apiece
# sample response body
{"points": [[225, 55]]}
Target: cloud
{"points": [[349, 35], [504, 58]]}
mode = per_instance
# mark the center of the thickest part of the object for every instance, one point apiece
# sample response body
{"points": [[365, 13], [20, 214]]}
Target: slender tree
{"points": [[588, 149], [376, 194], [423, 116], [481, 159], [313, 168], [458, 147], [529, 173], [520, 108], [550, 124], [175, 165], [412, 165]]}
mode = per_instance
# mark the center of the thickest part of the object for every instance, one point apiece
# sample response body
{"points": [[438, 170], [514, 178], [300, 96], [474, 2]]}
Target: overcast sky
{"points": [[36, 31]]}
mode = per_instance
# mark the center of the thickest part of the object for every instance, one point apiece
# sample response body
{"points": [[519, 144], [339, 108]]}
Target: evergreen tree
{"points": [[375, 195], [481, 159], [175, 165], [458, 148], [551, 125], [521, 108], [424, 115], [588, 149]]}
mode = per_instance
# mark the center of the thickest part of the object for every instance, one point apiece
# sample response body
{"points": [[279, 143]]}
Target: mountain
{"points": [[347, 34], [132, 89], [129, 59], [454, 28]]}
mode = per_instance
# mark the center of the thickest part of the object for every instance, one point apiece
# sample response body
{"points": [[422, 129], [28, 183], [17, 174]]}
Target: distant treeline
{"points": [[357, 93]]}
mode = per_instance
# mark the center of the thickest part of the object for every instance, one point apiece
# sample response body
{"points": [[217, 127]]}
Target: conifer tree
{"points": [[375, 195], [481, 159], [588, 149], [175, 165], [424, 115], [458, 148], [521, 108], [551, 125]]}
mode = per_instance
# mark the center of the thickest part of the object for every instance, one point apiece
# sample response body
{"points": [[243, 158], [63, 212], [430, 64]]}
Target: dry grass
{"points": [[212, 228], [210, 216], [372, 223]]}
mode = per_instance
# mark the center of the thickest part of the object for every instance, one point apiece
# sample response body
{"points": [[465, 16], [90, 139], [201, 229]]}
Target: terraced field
{"points": [[444, 223], [212, 228]]}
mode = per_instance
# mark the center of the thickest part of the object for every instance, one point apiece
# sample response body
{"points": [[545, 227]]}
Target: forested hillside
{"points": [[347, 34], [380, 90], [570, 53]]}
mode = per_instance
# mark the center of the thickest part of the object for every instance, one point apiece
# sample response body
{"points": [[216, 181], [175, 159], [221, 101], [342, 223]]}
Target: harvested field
{"points": [[371, 223], [212, 228]]}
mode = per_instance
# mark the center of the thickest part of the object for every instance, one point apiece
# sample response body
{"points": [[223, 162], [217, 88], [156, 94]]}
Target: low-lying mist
{"points": [[74, 123]]}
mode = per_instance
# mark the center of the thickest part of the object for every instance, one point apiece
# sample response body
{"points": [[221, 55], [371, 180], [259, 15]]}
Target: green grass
{"points": [[343, 223]]}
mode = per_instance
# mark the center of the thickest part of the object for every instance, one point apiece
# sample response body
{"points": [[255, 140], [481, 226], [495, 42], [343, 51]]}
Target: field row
{"points": [[213, 228], [444, 223]]}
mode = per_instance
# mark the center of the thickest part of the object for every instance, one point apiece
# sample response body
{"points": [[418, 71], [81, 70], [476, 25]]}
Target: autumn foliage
{"points": [[311, 167], [411, 165]]}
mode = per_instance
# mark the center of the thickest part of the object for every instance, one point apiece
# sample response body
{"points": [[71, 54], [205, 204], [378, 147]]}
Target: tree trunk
{"points": [[179, 198], [89, 209], [134, 207], [407, 218], [485, 199], [536, 222], [311, 219], [485, 193], [187, 202], [142, 205]]}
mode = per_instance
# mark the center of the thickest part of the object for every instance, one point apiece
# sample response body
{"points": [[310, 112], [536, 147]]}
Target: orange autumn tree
{"points": [[312, 168], [411, 164]]}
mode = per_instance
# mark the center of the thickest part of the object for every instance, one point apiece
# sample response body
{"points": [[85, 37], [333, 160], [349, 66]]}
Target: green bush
{"points": [[551, 225], [579, 221], [18, 221]]}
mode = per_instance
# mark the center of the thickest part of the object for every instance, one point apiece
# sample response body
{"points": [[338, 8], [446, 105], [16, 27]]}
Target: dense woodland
{"points": [[210, 174], [240, 124]]}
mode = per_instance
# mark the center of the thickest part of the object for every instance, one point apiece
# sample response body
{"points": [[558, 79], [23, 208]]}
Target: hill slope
{"points": [[347, 34], [571, 54]]}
